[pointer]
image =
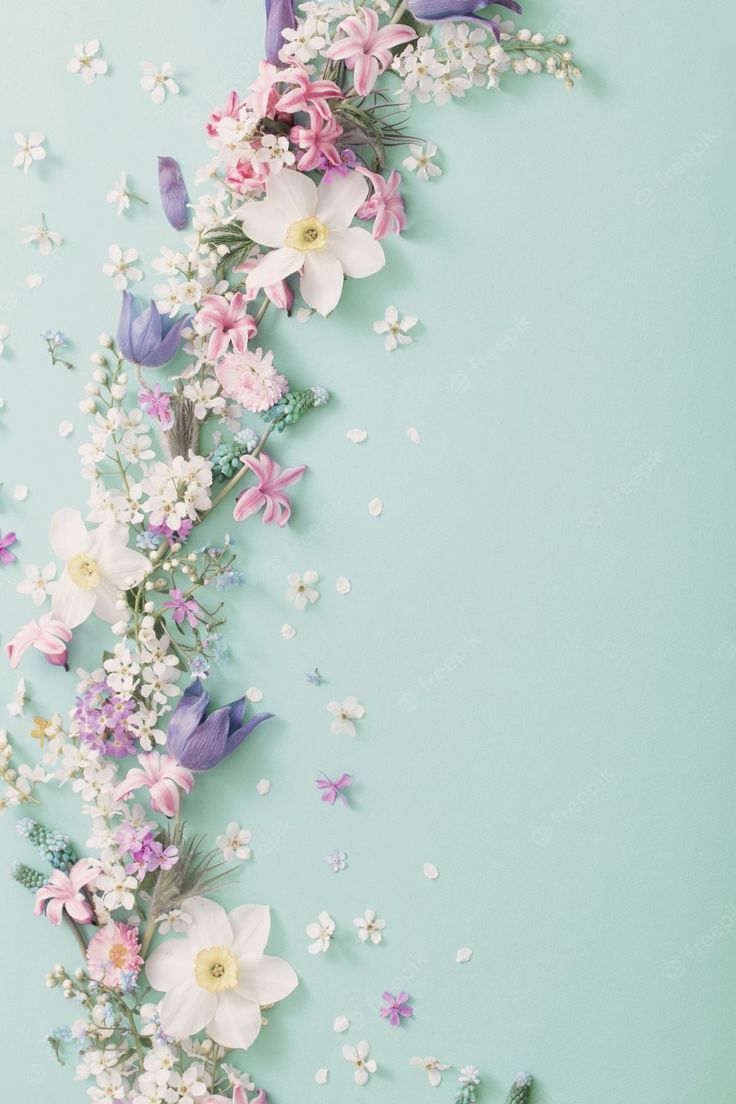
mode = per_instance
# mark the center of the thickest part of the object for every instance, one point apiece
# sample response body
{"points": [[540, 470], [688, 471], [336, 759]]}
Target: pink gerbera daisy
{"points": [[113, 955], [251, 379]]}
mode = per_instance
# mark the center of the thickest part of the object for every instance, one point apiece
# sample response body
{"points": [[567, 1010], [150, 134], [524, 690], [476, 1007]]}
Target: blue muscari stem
{"points": [[28, 877], [55, 847]]}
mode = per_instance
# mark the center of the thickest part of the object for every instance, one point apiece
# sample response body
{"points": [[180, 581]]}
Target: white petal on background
{"points": [[210, 926], [251, 925], [263, 786], [66, 428], [253, 694], [342, 1023], [70, 603], [356, 435], [275, 266], [431, 871], [413, 435], [375, 507], [343, 585], [33, 281], [321, 1076], [288, 631], [265, 223], [20, 493], [464, 955]]}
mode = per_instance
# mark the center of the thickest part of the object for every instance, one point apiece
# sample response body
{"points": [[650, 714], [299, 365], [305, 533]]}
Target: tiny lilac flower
{"points": [[396, 1007], [7, 557], [157, 404], [183, 608]]}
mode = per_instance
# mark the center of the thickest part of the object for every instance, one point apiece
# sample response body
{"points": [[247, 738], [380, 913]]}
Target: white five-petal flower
{"points": [[234, 843], [41, 236], [420, 161], [86, 63], [158, 81], [307, 228], [434, 1069], [301, 590], [395, 328], [346, 713], [119, 195], [364, 1065], [31, 149], [38, 582], [321, 932], [370, 927], [218, 978], [121, 268]]}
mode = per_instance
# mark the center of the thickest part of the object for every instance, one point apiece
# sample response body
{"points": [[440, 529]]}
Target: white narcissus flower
{"points": [[421, 162], [307, 227], [394, 327], [433, 1067], [158, 81], [301, 590], [44, 238], [98, 564], [345, 714], [370, 926], [121, 268], [38, 582], [31, 149], [364, 1065], [85, 63], [217, 978], [321, 932], [234, 843]]}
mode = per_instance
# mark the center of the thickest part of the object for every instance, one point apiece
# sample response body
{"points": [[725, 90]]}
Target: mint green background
{"points": [[542, 621]]}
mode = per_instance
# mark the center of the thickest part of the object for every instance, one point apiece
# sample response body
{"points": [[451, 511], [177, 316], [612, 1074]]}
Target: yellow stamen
{"points": [[306, 234], [216, 969], [83, 571]]}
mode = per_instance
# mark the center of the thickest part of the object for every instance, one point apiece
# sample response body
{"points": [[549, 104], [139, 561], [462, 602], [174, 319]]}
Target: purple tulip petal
{"points": [[145, 333], [237, 712], [186, 717], [169, 347], [173, 192], [279, 15], [206, 747], [236, 738]]}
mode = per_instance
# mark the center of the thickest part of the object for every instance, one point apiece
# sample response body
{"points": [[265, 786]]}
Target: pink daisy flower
{"points": [[113, 955], [251, 379]]}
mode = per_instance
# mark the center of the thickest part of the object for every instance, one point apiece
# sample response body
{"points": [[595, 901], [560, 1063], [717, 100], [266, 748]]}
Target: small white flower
{"points": [[395, 328], [301, 590], [31, 149], [41, 236], [118, 888], [469, 1075], [345, 714], [234, 843], [120, 267], [158, 81], [421, 162], [321, 931], [16, 706], [4, 335], [274, 151], [369, 927], [173, 921], [359, 1057], [86, 63], [433, 1067], [120, 196], [37, 582]]}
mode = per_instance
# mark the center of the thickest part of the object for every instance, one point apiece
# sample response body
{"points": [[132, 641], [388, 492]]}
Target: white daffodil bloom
{"points": [[307, 227], [217, 978], [99, 564]]}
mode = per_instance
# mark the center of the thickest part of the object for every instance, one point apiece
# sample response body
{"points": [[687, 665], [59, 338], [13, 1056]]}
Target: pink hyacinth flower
{"points": [[49, 635], [279, 293], [272, 483], [318, 141], [307, 95], [231, 323], [229, 111], [63, 893], [365, 49], [385, 204], [162, 776], [263, 94]]}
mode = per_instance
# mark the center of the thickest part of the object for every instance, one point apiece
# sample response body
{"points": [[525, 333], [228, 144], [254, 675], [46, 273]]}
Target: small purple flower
{"points": [[331, 791], [396, 1007], [173, 192], [7, 557], [316, 679], [173, 535], [157, 404], [183, 608], [348, 161], [147, 337]]}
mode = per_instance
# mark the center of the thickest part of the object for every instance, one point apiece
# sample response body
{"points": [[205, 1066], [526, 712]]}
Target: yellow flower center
{"points": [[83, 571], [216, 969], [119, 955], [306, 234]]}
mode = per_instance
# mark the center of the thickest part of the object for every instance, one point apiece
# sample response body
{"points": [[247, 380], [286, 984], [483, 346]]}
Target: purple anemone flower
{"points": [[439, 11], [199, 742], [147, 337], [280, 14], [173, 192]]}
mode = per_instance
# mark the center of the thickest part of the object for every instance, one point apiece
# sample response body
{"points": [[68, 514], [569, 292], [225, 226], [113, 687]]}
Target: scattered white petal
{"points": [[413, 435], [263, 786], [66, 428], [33, 281], [253, 694], [321, 1076], [343, 585], [288, 631], [2, 404], [375, 507], [342, 1023], [356, 435], [15, 707], [4, 335], [464, 955], [430, 871], [20, 493]]}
